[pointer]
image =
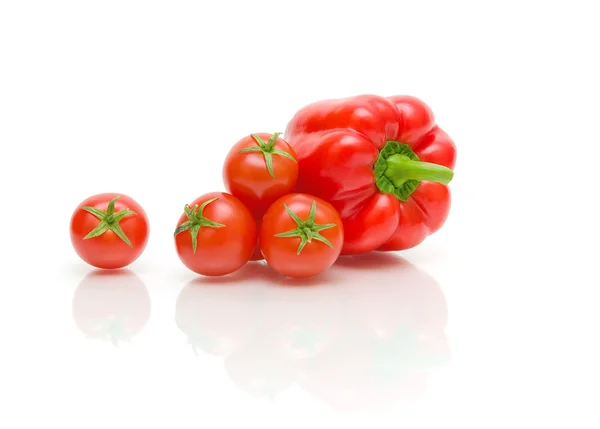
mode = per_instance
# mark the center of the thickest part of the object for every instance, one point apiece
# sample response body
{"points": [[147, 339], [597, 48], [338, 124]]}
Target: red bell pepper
{"points": [[383, 163]]}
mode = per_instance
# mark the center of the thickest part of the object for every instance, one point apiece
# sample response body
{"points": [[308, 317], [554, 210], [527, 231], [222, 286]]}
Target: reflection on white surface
{"points": [[370, 334], [112, 306]]}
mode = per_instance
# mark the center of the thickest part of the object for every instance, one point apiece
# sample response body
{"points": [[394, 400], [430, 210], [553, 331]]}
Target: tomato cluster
{"points": [[259, 217]]}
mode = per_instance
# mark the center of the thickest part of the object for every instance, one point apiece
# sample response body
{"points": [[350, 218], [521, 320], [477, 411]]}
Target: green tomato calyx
{"points": [[196, 220], [307, 229], [268, 150], [109, 220]]}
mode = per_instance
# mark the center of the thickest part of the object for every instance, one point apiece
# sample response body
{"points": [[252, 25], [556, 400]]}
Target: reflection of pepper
{"points": [[381, 162], [391, 339]]}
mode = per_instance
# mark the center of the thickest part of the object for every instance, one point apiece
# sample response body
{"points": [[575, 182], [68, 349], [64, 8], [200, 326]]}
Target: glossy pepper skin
{"points": [[382, 162]]}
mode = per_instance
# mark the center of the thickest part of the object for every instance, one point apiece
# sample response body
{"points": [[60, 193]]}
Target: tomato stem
{"points": [[268, 150], [196, 221], [307, 230], [398, 171], [109, 220]]}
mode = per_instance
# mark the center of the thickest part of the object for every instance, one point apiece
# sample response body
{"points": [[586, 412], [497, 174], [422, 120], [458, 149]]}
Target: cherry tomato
{"points": [[259, 169], [109, 230], [111, 305], [301, 235], [216, 235]]}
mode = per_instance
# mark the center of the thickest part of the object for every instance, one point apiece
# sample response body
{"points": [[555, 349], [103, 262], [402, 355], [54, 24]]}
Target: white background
{"points": [[146, 97]]}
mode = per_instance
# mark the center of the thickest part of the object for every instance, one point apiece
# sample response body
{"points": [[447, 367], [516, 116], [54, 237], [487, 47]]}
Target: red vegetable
{"points": [[259, 169], [383, 163], [216, 235], [109, 230], [301, 236]]}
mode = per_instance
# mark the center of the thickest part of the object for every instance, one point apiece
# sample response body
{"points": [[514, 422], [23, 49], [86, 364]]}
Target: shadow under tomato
{"points": [[326, 278], [111, 305], [260, 271], [252, 271], [372, 260]]}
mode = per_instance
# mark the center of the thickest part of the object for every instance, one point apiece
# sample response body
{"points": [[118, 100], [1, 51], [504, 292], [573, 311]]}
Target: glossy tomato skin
{"points": [[108, 251], [220, 251], [281, 252], [246, 177]]}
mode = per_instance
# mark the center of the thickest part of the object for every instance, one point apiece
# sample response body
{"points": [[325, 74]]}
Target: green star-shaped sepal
{"points": [[196, 220], [109, 220], [307, 230], [268, 150]]}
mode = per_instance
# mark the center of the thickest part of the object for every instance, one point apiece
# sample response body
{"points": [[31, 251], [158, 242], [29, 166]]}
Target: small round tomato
{"points": [[216, 235], [109, 230], [301, 235], [259, 169]]}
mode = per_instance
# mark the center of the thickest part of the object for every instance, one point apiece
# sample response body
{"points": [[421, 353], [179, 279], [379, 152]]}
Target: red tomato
{"points": [[111, 305], [259, 169], [216, 235], [301, 235], [109, 230]]}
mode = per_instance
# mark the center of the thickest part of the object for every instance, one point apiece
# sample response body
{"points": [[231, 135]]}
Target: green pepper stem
{"points": [[400, 169]]}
